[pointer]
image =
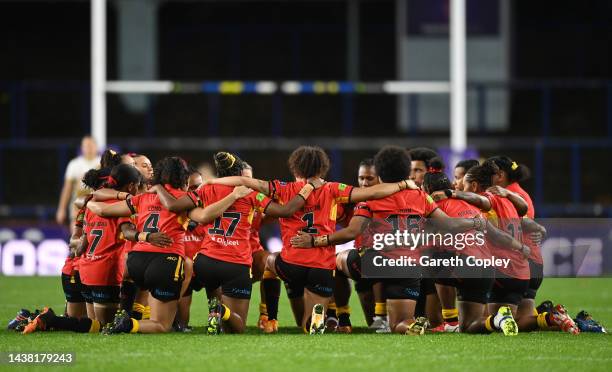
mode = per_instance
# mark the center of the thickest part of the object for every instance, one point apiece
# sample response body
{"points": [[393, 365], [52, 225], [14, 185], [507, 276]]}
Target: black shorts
{"points": [[507, 290], [234, 279], [474, 284], [297, 277], [402, 288], [536, 271], [353, 262], [101, 294], [72, 287], [161, 274]]}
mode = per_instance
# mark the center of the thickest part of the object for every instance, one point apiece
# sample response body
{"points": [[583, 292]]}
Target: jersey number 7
{"points": [[217, 228]]}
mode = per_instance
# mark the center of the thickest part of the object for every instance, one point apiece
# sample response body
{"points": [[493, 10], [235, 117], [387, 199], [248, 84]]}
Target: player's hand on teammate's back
{"points": [[241, 191], [316, 182], [498, 190], [159, 239], [302, 240]]}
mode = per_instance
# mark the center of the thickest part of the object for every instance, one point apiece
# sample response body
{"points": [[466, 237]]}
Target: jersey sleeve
{"points": [[362, 210], [341, 192], [133, 203], [280, 191], [71, 170], [260, 201], [430, 205]]}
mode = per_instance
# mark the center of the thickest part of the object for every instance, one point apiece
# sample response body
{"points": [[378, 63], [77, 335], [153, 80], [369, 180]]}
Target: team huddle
{"points": [[146, 238]]}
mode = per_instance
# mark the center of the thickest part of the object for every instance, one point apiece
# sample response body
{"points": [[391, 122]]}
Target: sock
{"points": [[147, 313], [138, 311], [544, 321], [535, 312], [127, 295], [489, 324], [380, 309], [344, 316], [79, 325], [272, 289], [225, 312], [263, 309], [135, 326], [450, 315], [331, 310]]}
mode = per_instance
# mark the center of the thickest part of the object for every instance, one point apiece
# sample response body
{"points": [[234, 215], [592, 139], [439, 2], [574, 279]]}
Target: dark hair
{"points": [[435, 179], [172, 171], [228, 164], [308, 161], [467, 164], [367, 162], [193, 170], [115, 178], [392, 163], [516, 172], [482, 174], [423, 154], [110, 158]]}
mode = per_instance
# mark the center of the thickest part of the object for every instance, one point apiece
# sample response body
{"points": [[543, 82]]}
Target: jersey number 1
{"points": [[309, 219]]}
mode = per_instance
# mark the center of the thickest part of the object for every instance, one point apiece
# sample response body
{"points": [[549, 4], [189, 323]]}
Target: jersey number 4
{"points": [[217, 228], [151, 224]]}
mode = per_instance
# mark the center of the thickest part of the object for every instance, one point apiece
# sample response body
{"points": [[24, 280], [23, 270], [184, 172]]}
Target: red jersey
{"points": [[99, 263], [153, 217], [363, 240], [402, 210], [503, 215], [68, 267], [227, 238], [317, 217], [536, 254], [254, 241], [194, 238], [461, 209]]}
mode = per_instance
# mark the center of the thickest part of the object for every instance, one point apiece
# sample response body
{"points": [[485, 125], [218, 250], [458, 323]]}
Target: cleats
{"points": [[446, 327], [378, 322], [545, 307], [261, 323], [213, 325], [418, 327], [505, 321], [40, 322], [331, 324], [271, 326], [586, 323], [121, 324], [384, 328], [561, 319], [317, 320], [22, 316]]}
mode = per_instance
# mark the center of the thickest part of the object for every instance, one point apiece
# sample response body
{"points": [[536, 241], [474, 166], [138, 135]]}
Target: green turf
{"points": [[292, 351]]}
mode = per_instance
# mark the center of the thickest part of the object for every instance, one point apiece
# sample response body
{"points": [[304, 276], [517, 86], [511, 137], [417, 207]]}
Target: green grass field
{"points": [[290, 350]]}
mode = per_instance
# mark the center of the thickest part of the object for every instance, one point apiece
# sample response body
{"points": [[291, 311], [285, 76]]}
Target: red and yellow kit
{"points": [[461, 209], [194, 239], [254, 240], [536, 254], [153, 217], [227, 237], [503, 215], [99, 265], [317, 217], [403, 210]]}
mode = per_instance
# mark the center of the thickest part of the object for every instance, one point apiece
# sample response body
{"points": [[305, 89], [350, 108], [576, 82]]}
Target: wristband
{"points": [[143, 239], [305, 192], [321, 241], [147, 237], [312, 241]]}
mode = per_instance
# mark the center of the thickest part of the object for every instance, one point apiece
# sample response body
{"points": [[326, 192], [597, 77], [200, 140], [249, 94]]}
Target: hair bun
{"points": [[224, 160]]}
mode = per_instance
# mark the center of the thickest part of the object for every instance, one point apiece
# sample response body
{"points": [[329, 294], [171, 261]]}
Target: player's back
{"points": [[227, 237], [504, 216], [153, 217], [317, 217]]}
